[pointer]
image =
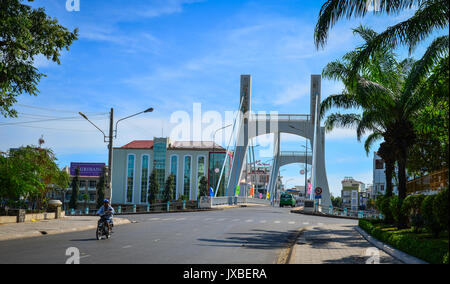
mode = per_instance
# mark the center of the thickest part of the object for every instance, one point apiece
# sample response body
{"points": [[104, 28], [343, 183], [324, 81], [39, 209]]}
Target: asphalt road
{"points": [[251, 235]]}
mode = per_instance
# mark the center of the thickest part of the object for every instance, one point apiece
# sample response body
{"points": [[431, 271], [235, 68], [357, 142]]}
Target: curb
{"points": [[31, 234], [400, 255], [324, 215]]}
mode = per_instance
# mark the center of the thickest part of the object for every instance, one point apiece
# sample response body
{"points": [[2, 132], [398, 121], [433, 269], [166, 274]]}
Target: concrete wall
{"points": [[30, 217]]}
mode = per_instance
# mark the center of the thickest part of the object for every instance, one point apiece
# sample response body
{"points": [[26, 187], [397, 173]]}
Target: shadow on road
{"points": [[260, 239]]}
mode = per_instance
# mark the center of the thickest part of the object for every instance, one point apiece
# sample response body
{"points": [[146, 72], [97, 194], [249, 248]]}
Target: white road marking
{"points": [[263, 221], [277, 222], [156, 240], [305, 223], [320, 224], [181, 219], [154, 219], [125, 247], [221, 219], [85, 256], [208, 219], [291, 222]]}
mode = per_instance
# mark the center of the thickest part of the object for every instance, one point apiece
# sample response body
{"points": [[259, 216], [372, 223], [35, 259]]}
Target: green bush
{"points": [[441, 210], [412, 207], [383, 205], [431, 222], [395, 205], [431, 250]]}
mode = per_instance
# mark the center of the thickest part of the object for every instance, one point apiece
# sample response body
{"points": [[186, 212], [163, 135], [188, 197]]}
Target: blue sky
{"points": [[170, 54]]}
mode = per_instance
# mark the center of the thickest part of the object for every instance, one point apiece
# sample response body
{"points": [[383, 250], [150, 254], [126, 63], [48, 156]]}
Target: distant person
{"points": [[107, 211]]}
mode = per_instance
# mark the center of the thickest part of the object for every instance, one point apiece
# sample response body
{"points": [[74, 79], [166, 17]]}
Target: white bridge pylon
{"points": [[251, 125]]}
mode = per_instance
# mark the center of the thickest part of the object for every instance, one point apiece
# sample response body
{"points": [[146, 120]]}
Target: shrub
{"points": [[412, 207], [434, 251], [383, 205], [395, 205], [431, 223], [440, 209]]}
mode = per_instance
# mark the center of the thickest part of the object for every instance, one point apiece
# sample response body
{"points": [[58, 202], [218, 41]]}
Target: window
{"points": [[159, 160], [379, 164], [187, 175], [200, 170], [82, 184], [174, 170], [92, 184], [130, 179], [144, 178]]}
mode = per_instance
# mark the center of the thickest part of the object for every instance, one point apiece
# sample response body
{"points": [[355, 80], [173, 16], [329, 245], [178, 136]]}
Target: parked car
{"points": [[287, 199]]}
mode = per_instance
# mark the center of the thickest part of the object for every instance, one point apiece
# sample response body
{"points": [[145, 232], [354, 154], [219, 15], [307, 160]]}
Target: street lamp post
{"points": [[213, 158], [109, 139]]}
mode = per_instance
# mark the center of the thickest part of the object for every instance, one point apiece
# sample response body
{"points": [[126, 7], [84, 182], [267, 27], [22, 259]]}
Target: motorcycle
{"points": [[102, 227]]}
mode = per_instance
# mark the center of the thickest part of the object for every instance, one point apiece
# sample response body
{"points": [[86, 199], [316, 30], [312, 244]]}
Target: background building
{"points": [[90, 174], [350, 194], [188, 161], [379, 177]]}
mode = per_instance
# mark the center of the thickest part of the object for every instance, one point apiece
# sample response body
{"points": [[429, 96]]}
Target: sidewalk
{"points": [[54, 226], [335, 244]]}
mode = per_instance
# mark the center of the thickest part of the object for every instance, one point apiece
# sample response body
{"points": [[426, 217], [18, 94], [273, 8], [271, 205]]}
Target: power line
{"points": [[58, 110], [59, 129]]}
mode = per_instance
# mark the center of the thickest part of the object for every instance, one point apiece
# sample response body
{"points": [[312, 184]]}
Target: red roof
{"points": [[139, 144], [180, 145]]}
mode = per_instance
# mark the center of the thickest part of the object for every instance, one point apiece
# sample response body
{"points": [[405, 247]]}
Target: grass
{"points": [[419, 244]]}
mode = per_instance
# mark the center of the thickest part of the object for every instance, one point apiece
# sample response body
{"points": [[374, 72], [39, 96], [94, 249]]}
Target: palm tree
{"points": [[389, 94], [430, 16]]}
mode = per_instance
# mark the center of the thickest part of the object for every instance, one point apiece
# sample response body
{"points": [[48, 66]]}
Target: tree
{"points": [[389, 93], [101, 186], [431, 151], [63, 181], [431, 15], [169, 188], [24, 34], [29, 172], [203, 186], [336, 201], [153, 188], [75, 189]]}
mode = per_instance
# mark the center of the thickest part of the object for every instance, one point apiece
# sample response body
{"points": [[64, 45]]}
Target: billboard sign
{"points": [[87, 169]]}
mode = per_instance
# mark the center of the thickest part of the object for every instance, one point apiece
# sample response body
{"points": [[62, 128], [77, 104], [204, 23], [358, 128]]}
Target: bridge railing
{"points": [[283, 117], [231, 200], [295, 153]]}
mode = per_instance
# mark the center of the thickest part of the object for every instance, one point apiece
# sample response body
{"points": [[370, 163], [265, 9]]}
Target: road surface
{"points": [[249, 235]]}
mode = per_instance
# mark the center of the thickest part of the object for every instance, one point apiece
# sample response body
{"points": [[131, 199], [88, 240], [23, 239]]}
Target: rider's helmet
{"points": [[106, 201]]}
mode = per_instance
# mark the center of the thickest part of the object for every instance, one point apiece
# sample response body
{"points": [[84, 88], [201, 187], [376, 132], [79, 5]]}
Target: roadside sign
{"points": [[217, 170], [318, 190], [318, 196], [302, 172]]}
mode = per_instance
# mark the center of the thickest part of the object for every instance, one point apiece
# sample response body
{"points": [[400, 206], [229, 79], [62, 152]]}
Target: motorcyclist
{"points": [[107, 211]]}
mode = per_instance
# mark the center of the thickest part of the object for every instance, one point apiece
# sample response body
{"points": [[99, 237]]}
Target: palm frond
{"points": [[421, 69], [334, 10], [432, 15], [343, 100], [371, 139], [342, 120]]}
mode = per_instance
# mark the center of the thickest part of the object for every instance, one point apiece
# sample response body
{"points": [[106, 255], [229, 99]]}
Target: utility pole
{"points": [[110, 153], [109, 139]]}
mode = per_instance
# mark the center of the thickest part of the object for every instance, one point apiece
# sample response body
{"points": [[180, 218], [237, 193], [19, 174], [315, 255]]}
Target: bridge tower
{"points": [[304, 125]]}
